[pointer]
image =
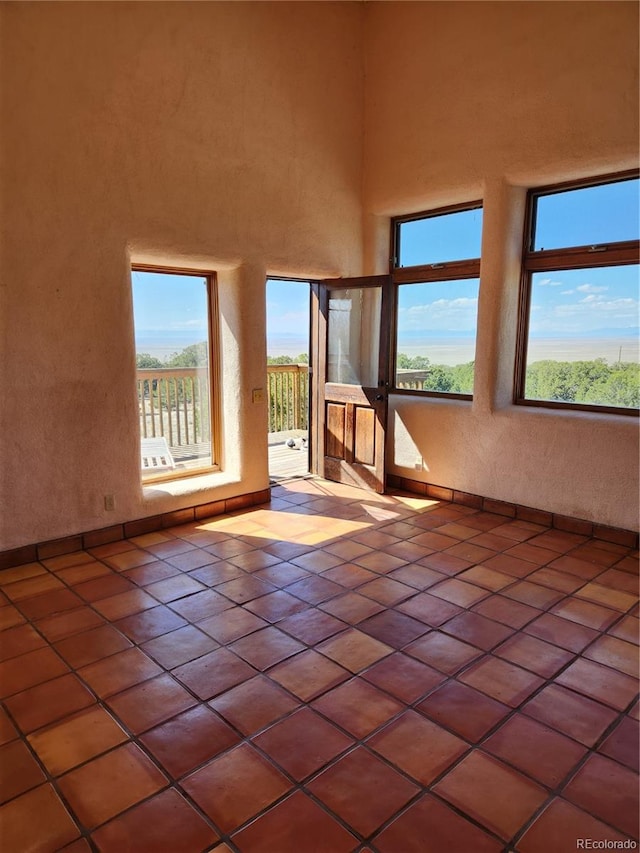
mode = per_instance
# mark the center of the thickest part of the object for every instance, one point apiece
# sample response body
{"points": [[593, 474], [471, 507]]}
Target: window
{"points": [[578, 345], [175, 320], [436, 273]]}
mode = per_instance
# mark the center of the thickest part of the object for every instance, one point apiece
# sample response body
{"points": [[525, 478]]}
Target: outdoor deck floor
{"points": [[285, 462]]}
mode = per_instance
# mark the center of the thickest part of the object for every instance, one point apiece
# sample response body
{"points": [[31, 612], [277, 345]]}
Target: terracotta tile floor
{"points": [[332, 671]]}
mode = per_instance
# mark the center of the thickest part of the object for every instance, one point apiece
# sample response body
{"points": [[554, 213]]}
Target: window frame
{"points": [[215, 396], [619, 253], [464, 268]]}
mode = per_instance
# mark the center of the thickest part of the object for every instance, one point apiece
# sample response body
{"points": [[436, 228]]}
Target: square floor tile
{"points": [[533, 654], [308, 674], [585, 613], [53, 829], [214, 673], [612, 598], [501, 680], [230, 625], [19, 640], [291, 825], [362, 790], [236, 786], [314, 589], [600, 682], [608, 791], [202, 605], [477, 630], [266, 647], [108, 785], [117, 672], [150, 703], [354, 650], [82, 649], [281, 575], [430, 826], [189, 740], [217, 573], [612, 652], [103, 587], [463, 710], [533, 594], [303, 743], [418, 746], [312, 626], [358, 707], [403, 677], [628, 628], [486, 578], [558, 827], [48, 702], [149, 624], [537, 751], [458, 592], [180, 646], [352, 607], [8, 731], [445, 653], [507, 611], [19, 771], [244, 589], [568, 712], [393, 628], [429, 609], [254, 704], [165, 822], [20, 673], [623, 744], [76, 739], [70, 622], [171, 589], [491, 793], [561, 632], [124, 604]]}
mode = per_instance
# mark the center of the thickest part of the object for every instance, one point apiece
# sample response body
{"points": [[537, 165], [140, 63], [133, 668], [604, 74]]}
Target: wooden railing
{"points": [[288, 390], [174, 403]]}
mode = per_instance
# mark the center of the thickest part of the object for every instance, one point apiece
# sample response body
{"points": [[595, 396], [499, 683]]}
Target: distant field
{"points": [[460, 352]]}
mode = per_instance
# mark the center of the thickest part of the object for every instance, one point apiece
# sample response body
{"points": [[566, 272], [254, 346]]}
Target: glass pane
{"points": [[353, 339], [588, 216], [583, 342], [442, 238], [171, 319], [436, 341]]}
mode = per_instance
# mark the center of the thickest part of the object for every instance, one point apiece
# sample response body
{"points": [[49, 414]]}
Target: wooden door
{"points": [[350, 341]]}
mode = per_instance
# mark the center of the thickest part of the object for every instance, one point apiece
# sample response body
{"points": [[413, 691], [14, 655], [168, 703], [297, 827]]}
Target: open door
{"points": [[351, 355]]}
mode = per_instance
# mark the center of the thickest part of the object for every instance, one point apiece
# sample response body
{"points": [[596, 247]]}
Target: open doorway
{"points": [[288, 350]]}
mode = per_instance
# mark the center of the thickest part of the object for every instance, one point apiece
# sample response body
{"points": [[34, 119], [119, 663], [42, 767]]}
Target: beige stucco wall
{"points": [[482, 100], [213, 135], [278, 138]]}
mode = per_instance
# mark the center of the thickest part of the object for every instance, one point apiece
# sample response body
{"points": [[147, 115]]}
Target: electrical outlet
{"points": [[418, 465], [257, 395], [109, 503]]}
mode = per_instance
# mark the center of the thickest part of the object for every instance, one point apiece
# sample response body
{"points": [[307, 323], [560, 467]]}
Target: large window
{"points": [[436, 272], [175, 321], [578, 343]]}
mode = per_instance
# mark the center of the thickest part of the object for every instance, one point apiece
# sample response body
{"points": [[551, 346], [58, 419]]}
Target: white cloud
{"points": [[548, 282], [459, 313], [590, 288]]}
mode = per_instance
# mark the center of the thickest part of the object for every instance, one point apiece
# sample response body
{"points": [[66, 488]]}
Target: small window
{"points": [[579, 345], [176, 377], [437, 282]]}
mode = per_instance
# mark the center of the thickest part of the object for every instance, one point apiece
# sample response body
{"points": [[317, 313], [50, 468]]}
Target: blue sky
{"points": [[571, 302]]}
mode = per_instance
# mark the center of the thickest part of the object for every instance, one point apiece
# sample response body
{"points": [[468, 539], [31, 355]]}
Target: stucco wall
{"points": [[483, 100], [222, 136]]}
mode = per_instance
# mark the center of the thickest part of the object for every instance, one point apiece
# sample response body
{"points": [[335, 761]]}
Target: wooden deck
{"points": [[286, 462]]}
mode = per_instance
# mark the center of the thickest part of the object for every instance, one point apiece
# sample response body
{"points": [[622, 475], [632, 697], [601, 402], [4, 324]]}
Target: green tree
{"points": [[196, 355], [144, 361]]}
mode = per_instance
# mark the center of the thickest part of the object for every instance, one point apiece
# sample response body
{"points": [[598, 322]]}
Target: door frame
{"points": [[318, 364]]}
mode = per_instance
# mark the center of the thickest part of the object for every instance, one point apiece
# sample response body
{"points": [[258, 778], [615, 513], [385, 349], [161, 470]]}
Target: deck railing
{"points": [[288, 390], [174, 402]]}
